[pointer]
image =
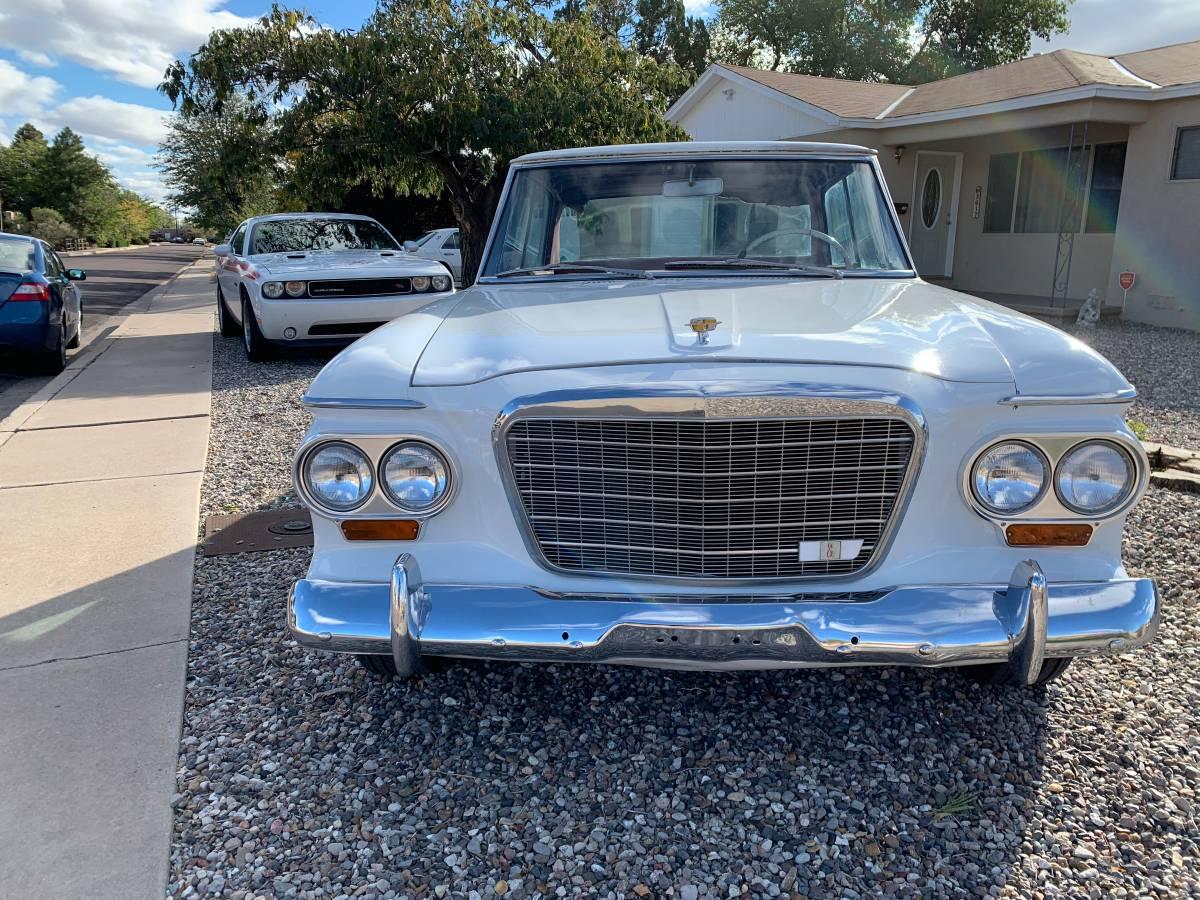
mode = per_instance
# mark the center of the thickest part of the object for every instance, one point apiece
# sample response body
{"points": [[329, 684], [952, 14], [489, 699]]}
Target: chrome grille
{"points": [[707, 499]]}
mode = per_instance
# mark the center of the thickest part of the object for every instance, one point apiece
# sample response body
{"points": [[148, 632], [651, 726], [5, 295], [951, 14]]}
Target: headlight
{"points": [[1094, 477], [415, 476], [441, 282], [420, 283], [1009, 476], [272, 289], [295, 288], [338, 475]]}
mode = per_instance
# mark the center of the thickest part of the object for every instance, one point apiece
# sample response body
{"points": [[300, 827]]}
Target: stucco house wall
{"points": [[1158, 227]]}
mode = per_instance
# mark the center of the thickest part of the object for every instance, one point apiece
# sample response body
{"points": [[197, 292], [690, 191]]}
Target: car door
{"points": [[451, 254], [72, 296], [56, 274]]}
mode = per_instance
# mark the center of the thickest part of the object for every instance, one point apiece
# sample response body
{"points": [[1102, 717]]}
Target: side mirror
{"points": [[76, 275], [222, 250], [410, 246]]}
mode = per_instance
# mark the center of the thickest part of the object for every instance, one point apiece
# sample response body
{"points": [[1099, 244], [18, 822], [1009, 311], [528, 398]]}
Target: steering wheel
{"points": [[808, 232]]}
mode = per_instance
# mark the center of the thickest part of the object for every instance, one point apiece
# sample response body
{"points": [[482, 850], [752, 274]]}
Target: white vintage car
{"points": [[312, 279], [699, 411]]}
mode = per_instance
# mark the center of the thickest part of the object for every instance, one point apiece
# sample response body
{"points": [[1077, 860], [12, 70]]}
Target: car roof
{"points": [[698, 148], [7, 236], [275, 217]]}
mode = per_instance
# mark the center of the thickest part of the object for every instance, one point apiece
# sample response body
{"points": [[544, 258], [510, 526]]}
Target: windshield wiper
{"points": [[567, 268], [741, 263]]}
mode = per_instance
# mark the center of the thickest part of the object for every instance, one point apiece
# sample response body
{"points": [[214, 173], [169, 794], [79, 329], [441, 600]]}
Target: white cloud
{"points": [[1107, 28], [36, 58], [22, 94], [132, 40], [101, 117]]}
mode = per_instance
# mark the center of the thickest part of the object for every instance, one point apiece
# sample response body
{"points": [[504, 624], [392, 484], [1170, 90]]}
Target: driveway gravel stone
{"points": [[300, 775]]}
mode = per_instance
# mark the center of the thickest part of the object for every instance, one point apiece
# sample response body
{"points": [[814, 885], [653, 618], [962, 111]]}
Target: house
{"points": [[1031, 183]]}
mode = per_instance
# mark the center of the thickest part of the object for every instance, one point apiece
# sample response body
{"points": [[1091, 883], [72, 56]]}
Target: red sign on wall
{"points": [[1127, 279]]}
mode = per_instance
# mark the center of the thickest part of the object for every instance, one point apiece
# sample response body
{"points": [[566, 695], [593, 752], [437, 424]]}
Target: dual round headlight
{"points": [[1092, 478], [414, 476], [423, 283], [272, 290]]}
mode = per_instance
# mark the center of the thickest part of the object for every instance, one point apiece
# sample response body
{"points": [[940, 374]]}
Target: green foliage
{"points": [[907, 41], [1139, 428], [430, 96], [61, 191]]}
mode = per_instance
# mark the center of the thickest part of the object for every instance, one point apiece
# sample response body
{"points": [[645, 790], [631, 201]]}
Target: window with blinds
{"points": [[1185, 164]]}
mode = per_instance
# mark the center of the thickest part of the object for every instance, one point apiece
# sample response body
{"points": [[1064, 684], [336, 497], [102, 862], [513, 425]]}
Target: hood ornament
{"points": [[703, 325]]}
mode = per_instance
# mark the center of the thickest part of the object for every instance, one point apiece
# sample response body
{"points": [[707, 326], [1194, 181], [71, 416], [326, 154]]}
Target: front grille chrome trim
{"points": [[718, 403]]}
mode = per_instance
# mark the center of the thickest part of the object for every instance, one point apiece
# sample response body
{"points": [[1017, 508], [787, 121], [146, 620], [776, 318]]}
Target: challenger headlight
{"points": [[415, 476], [272, 289], [1010, 476], [295, 288], [338, 475], [420, 283], [440, 282], [1094, 477]]}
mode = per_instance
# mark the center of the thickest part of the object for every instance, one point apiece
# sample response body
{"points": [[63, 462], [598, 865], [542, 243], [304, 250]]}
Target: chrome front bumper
{"points": [[1022, 623]]}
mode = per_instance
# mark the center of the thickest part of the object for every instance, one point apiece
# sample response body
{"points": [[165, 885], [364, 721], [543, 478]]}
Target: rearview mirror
{"points": [[696, 187], [410, 246], [76, 275], [222, 250]]}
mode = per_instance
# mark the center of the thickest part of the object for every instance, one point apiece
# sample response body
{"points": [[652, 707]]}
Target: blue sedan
{"points": [[41, 308]]}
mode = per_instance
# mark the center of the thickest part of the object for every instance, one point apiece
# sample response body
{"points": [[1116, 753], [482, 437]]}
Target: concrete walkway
{"points": [[99, 498]]}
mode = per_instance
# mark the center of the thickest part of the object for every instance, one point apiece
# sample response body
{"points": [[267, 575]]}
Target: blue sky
{"points": [[96, 69]]}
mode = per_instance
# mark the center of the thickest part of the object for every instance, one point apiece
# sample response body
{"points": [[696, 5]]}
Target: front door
{"points": [[934, 212]]}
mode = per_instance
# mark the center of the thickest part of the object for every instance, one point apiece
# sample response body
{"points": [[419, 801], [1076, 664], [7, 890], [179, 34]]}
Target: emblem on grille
{"points": [[702, 325]]}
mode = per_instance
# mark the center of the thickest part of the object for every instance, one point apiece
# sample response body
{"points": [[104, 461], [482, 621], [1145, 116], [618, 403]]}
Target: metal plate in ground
{"points": [[270, 529]]}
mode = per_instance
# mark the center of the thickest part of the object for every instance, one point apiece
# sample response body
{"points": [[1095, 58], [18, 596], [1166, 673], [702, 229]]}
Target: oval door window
{"points": [[931, 198]]}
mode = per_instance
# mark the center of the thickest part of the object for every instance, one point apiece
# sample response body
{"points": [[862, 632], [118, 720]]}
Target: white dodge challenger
{"points": [[305, 279]]}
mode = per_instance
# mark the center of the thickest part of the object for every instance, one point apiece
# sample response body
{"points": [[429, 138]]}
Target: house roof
{"points": [[1146, 70]]}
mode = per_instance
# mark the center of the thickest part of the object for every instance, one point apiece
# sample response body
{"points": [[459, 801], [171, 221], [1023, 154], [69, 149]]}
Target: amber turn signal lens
{"points": [[381, 529], [1048, 535]]}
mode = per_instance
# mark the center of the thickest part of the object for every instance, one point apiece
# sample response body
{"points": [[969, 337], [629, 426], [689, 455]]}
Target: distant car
{"points": [[199, 242], [177, 240], [41, 308], [317, 278], [441, 244]]}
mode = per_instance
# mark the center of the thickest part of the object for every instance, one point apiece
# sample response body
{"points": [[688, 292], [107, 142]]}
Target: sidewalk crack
{"points": [[57, 659]]}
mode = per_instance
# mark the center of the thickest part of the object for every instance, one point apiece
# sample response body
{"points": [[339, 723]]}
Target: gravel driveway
{"points": [[300, 775]]}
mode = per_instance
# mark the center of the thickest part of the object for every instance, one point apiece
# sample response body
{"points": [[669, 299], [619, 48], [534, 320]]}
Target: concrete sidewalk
{"points": [[99, 498]]}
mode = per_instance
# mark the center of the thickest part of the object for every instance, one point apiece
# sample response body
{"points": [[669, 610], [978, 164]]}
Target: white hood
{"points": [[351, 263], [493, 330]]}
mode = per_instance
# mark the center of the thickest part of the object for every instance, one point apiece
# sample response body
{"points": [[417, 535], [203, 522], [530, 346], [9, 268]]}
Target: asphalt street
{"points": [[114, 280]]}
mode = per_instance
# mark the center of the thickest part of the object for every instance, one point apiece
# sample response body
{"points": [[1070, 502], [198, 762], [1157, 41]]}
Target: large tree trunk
{"points": [[474, 215]]}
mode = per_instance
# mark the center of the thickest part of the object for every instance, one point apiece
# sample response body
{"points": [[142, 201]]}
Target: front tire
{"points": [[225, 323], [258, 348], [385, 666], [1001, 674]]}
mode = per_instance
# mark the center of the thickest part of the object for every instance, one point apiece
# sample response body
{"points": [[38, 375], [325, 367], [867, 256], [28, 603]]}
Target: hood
{"points": [[494, 330], [353, 263]]}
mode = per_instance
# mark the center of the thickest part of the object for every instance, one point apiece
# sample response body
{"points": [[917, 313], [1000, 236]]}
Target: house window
{"points": [[1025, 190], [1185, 163]]}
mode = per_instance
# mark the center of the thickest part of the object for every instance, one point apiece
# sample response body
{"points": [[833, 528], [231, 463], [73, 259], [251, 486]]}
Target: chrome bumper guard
{"points": [[939, 625]]}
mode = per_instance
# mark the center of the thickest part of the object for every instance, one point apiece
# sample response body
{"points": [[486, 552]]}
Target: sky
{"points": [[97, 68]]}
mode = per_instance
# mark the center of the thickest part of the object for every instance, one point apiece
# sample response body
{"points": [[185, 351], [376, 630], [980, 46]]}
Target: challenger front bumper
{"points": [[1023, 623]]}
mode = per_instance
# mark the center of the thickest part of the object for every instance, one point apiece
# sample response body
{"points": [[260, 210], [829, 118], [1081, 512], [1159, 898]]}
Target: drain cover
{"points": [[270, 529]]}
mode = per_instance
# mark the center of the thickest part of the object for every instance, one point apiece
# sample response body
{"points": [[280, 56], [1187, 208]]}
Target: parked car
{"points": [[41, 306], [699, 411], [199, 241], [309, 279], [440, 244]]}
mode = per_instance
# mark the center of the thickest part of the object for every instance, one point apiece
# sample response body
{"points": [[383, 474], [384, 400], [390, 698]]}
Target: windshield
{"points": [[661, 214], [293, 235], [424, 239]]}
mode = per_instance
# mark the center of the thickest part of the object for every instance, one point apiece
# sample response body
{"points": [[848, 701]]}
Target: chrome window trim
{"points": [[713, 402], [349, 403], [1049, 509], [854, 154], [377, 505], [1125, 395]]}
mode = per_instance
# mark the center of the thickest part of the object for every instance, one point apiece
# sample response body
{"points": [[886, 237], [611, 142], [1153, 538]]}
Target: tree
{"points": [[903, 41], [22, 165], [431, 96]]}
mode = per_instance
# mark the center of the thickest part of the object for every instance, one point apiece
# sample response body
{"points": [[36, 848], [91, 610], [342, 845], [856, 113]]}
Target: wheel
{"points": [[53, 361], [385, 666], [75, 341], [225, 323], [1001, 674], [258, 348]]}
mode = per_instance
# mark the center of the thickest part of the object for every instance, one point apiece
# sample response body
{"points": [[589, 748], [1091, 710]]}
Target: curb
{"points": [[11, 424]]}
